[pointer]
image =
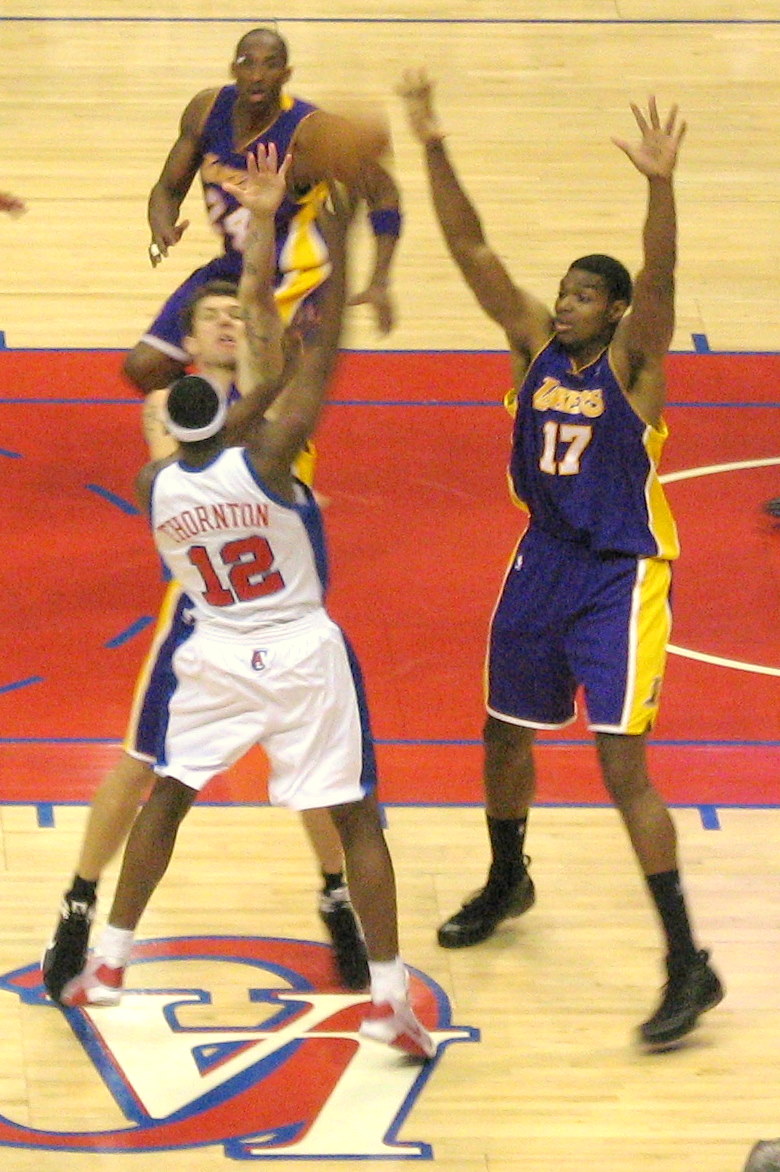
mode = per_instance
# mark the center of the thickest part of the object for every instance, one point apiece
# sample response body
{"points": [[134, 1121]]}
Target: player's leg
{"points": [[322, 755], [390, 1017], [335, 906], [146, 858], [529, 686], [111, 815], [620, 649], [692, 984], [509, 788]]}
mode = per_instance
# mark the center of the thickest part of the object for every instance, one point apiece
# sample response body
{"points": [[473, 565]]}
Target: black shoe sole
{"points": [[669, 1039], [464, 936]]}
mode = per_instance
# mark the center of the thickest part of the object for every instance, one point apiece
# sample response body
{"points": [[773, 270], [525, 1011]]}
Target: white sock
{"points": [[389, 980], [115, 946]]}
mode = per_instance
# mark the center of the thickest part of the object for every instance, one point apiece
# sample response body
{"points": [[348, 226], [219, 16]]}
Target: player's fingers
{"points": [[641, 121], [652, 107]]}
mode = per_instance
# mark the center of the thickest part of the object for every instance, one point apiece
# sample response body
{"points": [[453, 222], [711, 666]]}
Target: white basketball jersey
{"points": [[246, 558]]}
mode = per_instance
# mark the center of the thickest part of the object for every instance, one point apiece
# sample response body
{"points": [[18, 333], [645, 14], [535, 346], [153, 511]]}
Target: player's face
{"points": [[216, 329], [260, 71], [584, 312]]}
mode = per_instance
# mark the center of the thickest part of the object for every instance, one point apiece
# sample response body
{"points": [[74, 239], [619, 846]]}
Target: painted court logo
{"points": [[281, 1080]]}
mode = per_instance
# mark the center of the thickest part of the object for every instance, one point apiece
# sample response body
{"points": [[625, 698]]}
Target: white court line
{"points": [[685, 652]]}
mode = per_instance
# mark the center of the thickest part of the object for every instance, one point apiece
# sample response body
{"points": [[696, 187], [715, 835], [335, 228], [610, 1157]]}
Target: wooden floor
{"points": [[555, 1081], [532, 93]]}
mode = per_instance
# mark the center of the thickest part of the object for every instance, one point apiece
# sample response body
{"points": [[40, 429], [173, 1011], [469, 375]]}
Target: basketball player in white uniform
{"points": [[263, 663]]}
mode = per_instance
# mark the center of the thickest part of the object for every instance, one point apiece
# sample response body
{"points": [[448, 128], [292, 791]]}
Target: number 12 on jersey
{"points": [[246, 571]]}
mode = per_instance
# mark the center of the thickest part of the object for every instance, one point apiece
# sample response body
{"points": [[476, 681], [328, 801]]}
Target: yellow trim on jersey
{"points": [[660, 518], [305, 464], [161, 632], [649, 631], [303, 261]]}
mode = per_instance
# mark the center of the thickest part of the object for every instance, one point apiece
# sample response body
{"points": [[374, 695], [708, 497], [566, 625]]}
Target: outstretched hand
{"points": [[266, 183], [656, 155], [416, 89]]}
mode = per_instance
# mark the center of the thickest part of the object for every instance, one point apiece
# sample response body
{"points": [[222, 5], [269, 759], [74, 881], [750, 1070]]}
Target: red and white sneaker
{"points": [[99, 983], [394, 1023]]}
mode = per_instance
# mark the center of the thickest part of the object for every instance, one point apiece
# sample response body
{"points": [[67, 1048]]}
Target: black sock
{"points": [[507, 839], [669, 899], [83, 890], [332, 880]]}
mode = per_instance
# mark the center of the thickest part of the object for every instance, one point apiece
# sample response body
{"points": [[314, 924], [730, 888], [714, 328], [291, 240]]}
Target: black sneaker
{"points": [[66, 955], [480, 916], [773, 508], [692, 988], [349, 949]]}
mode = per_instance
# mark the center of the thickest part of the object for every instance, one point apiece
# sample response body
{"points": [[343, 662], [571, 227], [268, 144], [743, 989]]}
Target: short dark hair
{"points": [[192, 401], [764, 1156], [614, 275], [210, 289], [271, 34]]}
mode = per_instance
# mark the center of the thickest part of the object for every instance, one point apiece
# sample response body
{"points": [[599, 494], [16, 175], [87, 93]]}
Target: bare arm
{"points": [[260, 357], [525, 320], [645, 334], [179, 170], [383, 202]]}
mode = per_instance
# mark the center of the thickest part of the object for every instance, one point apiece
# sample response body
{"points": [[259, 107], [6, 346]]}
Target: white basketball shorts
{"points": [[296, 690]]}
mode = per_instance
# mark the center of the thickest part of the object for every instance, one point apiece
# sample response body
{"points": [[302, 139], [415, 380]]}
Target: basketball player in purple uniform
{"points": [[586, 597], [263, 661], [218, 127]]}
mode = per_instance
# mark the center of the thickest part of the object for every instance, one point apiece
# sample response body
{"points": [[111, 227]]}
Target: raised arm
{"points": [[260, 356], [525, 320], [275, 442], [383, 202], [178, 172], [645, 334]]}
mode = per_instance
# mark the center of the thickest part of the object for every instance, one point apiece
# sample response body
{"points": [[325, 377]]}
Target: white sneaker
{"points": [[394, 1023], [99, 983]]}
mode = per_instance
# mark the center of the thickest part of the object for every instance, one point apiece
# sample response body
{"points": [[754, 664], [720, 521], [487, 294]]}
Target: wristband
{"points": [[386, 222]]}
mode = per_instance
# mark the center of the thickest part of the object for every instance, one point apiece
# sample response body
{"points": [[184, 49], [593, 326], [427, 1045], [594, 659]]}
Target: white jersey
{"points": [[247, 559]]}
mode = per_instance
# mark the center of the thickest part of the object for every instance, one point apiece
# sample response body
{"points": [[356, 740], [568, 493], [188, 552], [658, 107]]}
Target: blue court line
{"points": [[46, 811], [467, 741], [384, 403], [21, 684], [11, 455], [60, 400], [113, 499], [709, 817], [465, 20], [130, 632]]}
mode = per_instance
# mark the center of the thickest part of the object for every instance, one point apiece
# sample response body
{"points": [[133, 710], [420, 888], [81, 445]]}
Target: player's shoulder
{"points": [[199, 106]]}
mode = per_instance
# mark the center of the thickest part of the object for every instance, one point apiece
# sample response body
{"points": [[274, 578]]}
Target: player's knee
{"points": [[503, 736]]}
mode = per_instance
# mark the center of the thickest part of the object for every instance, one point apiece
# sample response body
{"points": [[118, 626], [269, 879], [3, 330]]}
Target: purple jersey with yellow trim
{"points": [[584, 464], [222, 161]]}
